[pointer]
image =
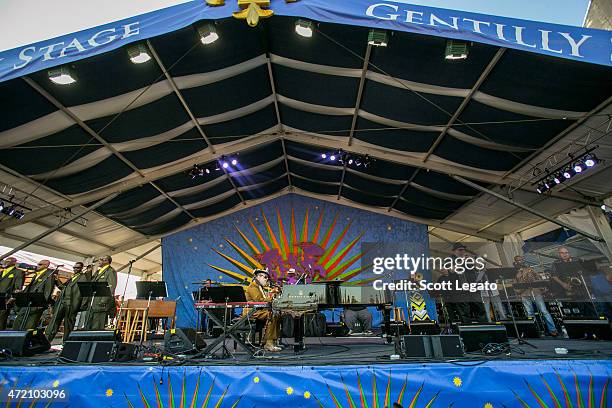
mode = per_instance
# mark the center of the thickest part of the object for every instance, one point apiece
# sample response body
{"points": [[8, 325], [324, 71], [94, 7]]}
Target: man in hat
{"points": [[255, 293], [68, 304], [43, 281], [11, 280]]}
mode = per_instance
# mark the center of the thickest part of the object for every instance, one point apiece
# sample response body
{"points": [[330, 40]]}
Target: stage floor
{"points": [[354, 350]]}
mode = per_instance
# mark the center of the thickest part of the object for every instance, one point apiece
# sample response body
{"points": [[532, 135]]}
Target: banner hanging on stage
{"points": [[527, 383], [580, 44]]}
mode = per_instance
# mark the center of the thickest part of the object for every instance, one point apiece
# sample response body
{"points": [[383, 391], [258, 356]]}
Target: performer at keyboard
{"points": [[68, 303], [11, 281], [43, 281], [255, 293], [526, 274]]}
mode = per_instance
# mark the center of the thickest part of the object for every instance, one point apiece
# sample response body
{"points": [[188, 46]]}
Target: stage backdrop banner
{"points": [[577, 43], [493, 384], [318, 238]]}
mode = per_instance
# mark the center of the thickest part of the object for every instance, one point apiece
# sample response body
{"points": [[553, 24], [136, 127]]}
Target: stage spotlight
{"points": [[207, 171], [557, 179], [10, 211], [590, 160], [304, 28], [323, 156], [208, 33], [62, 76], [332, 157], [456, 50], [378, 38], [1, 206], [234, 162], [225, 165], [578, 167], [350, 161], [138, 54], [19, 215], [568, 173]]}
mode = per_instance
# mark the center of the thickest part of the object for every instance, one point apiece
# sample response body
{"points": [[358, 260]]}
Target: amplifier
{"points": [[596, 329], [475, 337], [425, 346], [526, 328], [427, 327], [24, 343]]}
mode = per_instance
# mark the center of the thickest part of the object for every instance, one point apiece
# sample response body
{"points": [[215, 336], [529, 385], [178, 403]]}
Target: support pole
{"points": [[61, 225], [524, 207]]}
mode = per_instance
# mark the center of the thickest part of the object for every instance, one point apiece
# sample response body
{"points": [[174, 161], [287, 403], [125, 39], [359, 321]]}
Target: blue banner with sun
{"points": [[316, 239], [526, 384]]}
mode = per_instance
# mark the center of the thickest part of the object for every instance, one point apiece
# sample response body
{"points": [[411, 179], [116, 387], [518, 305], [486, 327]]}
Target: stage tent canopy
{"points": [[277, 101]]}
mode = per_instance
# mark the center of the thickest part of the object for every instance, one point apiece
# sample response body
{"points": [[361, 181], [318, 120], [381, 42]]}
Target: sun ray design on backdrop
{"points": [[378, 399], [319, 253], [156, 398]]}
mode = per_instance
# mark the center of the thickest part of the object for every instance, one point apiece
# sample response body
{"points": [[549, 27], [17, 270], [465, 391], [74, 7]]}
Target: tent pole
{"points": [[524, 207], [60, 225]]}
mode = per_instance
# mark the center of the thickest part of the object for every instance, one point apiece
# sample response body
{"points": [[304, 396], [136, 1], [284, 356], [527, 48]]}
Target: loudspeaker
{"points": [[598, 329], [183, 340], [97, 347], [477, 336], [447, 346], [415, 346], [24, 343], [526, 328]]}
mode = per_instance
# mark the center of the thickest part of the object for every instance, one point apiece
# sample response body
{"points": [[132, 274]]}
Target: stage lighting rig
{"points": [[572, 167], [346, 158]]}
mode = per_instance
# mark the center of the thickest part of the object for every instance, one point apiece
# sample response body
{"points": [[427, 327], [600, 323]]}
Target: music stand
{"points": [[29, 300], [148, 290], [503, 274], [93, 290]]}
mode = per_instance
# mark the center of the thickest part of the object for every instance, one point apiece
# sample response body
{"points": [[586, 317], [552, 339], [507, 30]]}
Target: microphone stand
{"points": [[118, 316]]}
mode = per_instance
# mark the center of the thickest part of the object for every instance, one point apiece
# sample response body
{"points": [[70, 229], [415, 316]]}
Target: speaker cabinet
{"points": [[183, 340], [475, 337], [526, 328], [430, 327], [592, 329], [415, 346], [447, 346], [24, 343], [97, 347]]}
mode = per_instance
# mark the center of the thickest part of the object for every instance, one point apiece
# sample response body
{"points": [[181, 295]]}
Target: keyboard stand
{"points": [[228, 332]]}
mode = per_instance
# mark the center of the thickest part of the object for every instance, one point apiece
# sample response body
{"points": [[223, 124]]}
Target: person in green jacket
{"points": [[68, 303], [102, 307], [43, 281], [11, 280]]}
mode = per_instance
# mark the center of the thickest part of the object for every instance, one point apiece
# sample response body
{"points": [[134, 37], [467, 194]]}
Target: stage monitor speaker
{"points": [[526, 328], [593, 329], [94, 335], [475, 337], [98, 351], [446, 346], [183, 340], [24, 343], [415, 346]]}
